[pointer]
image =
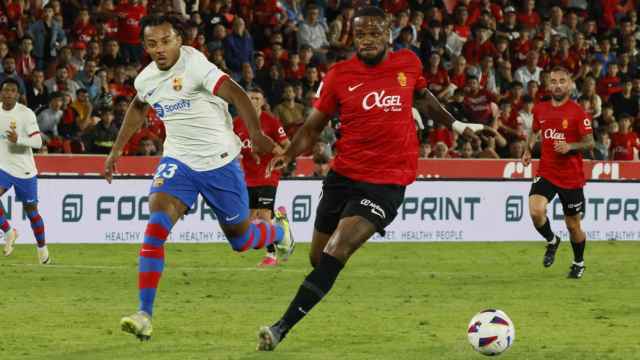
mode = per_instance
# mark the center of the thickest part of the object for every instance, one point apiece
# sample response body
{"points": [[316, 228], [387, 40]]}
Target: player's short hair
{"points": [[560, 68], [156, 20], [372, 11], [255, 89], [10, 81]]}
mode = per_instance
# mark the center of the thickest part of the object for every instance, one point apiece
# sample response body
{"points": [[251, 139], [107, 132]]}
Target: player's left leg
{"points": [[225, 192], [542, 192], [370, 209], [573, 205], [261, 204]]}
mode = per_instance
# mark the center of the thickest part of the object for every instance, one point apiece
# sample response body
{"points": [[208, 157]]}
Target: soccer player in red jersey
{"points": [[262, 188], [566, 133], [376, 155], [625, 141]]}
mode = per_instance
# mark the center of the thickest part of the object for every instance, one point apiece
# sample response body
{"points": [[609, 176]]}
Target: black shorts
{"points": [[342, 197], [262, 197], [572, 199]]}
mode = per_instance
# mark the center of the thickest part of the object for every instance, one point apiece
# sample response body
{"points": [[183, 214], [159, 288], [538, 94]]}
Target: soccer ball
{"points": [[491, 332]]}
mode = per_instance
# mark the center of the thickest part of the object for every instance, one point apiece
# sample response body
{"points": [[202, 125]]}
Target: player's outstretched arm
{"points": [[133, 120], [232, 93], [427, 103], [303, 140]]}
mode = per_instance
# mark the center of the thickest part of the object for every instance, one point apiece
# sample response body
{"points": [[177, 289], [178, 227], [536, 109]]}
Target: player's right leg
{"points": [[171, 194], [10, 234], [542, 192], [573, 205]]}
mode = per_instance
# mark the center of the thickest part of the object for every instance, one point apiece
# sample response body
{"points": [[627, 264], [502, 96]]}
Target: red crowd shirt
{"points": [[567, 122], [438, 81], [254, 173], [478, 106], [129, 26], [378, 142], [622, 145]]}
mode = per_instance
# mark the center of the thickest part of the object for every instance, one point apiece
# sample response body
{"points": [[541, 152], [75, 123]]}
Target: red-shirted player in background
{"points": [[261, 188], [566, 133], [624, 142], [376, 155]]}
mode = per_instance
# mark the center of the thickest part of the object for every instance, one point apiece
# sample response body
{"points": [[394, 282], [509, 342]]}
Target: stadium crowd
{"points": [[488, 61]]}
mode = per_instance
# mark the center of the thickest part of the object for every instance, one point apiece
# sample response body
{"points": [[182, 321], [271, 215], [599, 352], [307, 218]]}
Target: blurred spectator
{"points": [[48, 37], [610, 83], [603, 143], [476, 49], [509, 28], [489, 149], [605, 56], [525, 115], [247, 77], [529, 71], [528, 16], [100, 138], [516, 149], [625, 102], [290, 112], [63, 59], [441, 134], [148, 148], [216, 39], [129, 13], [405, 41], [238, 48], [589, 91], [311, 79], [312, 31], [437, 77], [49, 118], [78, 55], [84, 29], [458, 74], [466, 150], [62, 82], [340, 34], [479, 103], [9, 71], [432, 40], [624, 143], [83, 107], [37, 93], [440, 151], [88, 79], [112, 55], [25, 61]]}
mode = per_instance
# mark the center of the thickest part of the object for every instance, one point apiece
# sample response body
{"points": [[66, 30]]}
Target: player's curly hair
{"points": [[158, 19], [372, 11]]}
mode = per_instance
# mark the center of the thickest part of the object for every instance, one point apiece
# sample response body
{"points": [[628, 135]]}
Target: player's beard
{"points": [[560, 98], [374, 60]]}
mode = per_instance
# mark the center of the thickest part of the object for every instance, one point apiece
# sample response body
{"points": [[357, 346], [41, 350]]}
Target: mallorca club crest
{"points": [[177, 83], [402, 79], [565, 123]]}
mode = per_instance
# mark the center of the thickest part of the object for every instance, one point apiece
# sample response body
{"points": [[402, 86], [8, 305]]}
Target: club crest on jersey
{"points": [[177, 83], [565, 123], [402, 79], [158, 182], [12, 124]]}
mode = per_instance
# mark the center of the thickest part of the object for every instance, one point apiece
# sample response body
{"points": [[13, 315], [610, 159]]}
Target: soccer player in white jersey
{"points": [[19, 133], [190, 95]]}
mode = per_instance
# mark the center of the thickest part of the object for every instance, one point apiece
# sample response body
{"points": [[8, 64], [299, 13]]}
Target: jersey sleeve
{"points": [[205, 72], [584, 123], [277, 131], [421, 81], [138, 85], [326, 96]]}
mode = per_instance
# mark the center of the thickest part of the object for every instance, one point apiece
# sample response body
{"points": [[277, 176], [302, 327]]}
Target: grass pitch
{"points": [[393, 301]]}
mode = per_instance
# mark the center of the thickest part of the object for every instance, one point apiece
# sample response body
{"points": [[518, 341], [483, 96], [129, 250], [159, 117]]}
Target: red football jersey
{"points": [[378, 142], [567, 122], [254, 173], [129, 24], [622, 145]]}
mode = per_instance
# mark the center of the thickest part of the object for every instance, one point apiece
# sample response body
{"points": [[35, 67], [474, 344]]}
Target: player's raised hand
{"points": [[110, 167], [526, 157]]}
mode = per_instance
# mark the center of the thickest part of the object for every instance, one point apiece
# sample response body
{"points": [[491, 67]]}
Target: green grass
{"points": [[393, 301]]}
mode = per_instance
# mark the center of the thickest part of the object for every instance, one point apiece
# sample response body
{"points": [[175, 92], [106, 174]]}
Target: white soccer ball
{"points": [[491, 332]]}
